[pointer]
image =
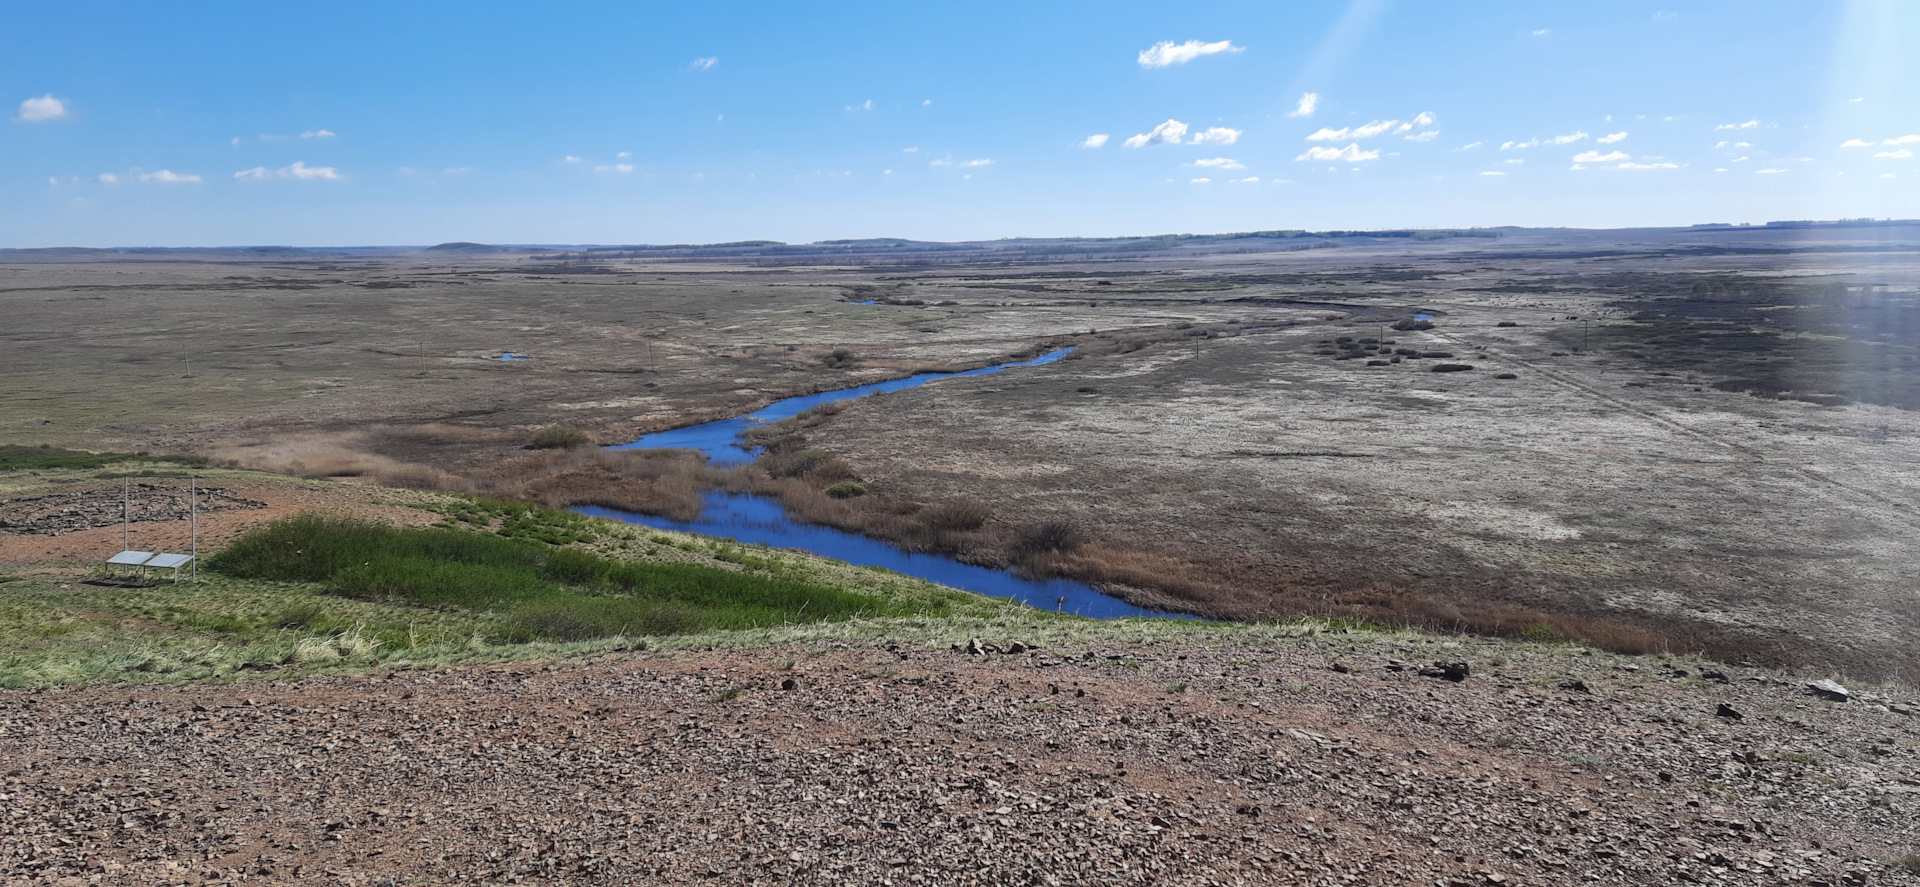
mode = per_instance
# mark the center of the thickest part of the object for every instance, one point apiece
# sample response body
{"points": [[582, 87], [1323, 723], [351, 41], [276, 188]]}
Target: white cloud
{"points": [[1542, 32], [981, 162], [1747, 125], [1597, 157], [1660, 164], [1168, 133], [1201, 181], [53, 181], [1364, 131], [169, 177], [235, 141], [1167, 52], [1610, 138], [1308, 102], [317, 134], [1514, 161], [1721, 169], [1850, 143], [1469, 146], [107, 178], [925, 102], [571, 159], [702, 64], [1349, 154], [1096, 140], [1903, 140], [1426, 136], [1897, 154], [1215, 135], [615, 167], [1665, 16], [624, 155], [1424, 118], [1493, 172], [863, 106], [913, 150], [1741, 159], [1855, 100], [1567, 139], [1247, 180], [42, 109], [1765, 172], [1219, 163], [298, 170]]}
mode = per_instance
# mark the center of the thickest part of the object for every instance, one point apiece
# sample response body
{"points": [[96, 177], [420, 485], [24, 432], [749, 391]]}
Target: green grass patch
{"points": [[540, 592], [15, 457]]}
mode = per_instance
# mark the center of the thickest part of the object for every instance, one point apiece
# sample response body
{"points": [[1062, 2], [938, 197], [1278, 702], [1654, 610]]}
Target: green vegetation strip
{"points": [[14, 457], [541, 593]]}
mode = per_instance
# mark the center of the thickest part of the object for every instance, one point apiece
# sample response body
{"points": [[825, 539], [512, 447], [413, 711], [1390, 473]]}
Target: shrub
{"points": [[1410, 324], [1378, 363], [798, 463], [1437, 354], [1407, 352], [1086, 389], [847, 490], [956, 514], [1049, 536], [1344, 339], [1505, 376], [1506, 323], [840, 358], [555, 437], [1451, 367]]}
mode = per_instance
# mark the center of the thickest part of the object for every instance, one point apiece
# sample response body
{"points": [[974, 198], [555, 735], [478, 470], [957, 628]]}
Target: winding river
{"points": [[761, 521]]}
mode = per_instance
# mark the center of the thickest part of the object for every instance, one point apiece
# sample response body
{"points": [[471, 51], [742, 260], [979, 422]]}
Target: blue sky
{"points": [[416, 123]]}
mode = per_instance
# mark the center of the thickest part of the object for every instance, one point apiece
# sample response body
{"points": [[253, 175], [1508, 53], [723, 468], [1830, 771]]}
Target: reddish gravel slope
{"points": [[1236, 762]]}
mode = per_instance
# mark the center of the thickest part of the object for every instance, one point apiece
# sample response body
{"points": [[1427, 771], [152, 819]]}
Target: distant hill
{"points": [[462, 246]]}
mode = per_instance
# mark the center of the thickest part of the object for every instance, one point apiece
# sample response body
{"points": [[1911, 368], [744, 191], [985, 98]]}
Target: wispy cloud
{"points": [[317, 134], [1363, 131], [169, 177], [1850, 143], [1426, 136], [1247, 181], [1568, 139], [1768, 172], [624, 155], [1469, 146], [1542, 32], [1200, 181], [1902, 140], [1215, 135], [570, 159], [1096, 140], [1219, 163], [1657, 164], [1168, 52], [1168, 133], [703, 64], [614, 167], [863, 106], [1349, 154], [1611, 137], [1751, 124], [42, 109], [299, 171], [1493, 172], [107, 178], [1597, 157], [1308, 102], [1896, 154]]}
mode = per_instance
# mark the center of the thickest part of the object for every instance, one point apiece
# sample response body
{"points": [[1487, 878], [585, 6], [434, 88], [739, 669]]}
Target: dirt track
{"points": [[1243, 762]]}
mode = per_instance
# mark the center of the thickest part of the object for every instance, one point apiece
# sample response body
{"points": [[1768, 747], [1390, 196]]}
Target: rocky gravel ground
{"points": [[57, 513], [1258, 759]]}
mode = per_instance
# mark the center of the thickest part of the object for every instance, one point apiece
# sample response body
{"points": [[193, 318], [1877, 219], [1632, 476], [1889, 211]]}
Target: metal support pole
{"points": [[193, 525], [126, 514]]}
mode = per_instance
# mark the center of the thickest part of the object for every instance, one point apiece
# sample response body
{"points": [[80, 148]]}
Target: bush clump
{"points": [[1451, 367], [14, 457], [1049, 536], [1506, 323], [839, 359], [847, 490], [1410, 324], [1505, 376], [558, 437], [1442, 355]]}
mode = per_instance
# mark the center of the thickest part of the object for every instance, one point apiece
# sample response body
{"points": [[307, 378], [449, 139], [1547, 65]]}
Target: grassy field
{"points": [[310, 593]]}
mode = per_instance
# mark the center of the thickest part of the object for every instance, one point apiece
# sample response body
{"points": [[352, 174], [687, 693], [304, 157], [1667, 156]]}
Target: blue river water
{"points": [[721, 442], [756, 520]]}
